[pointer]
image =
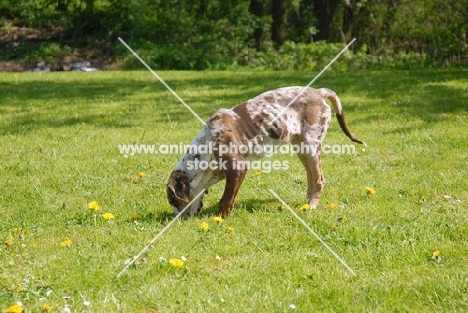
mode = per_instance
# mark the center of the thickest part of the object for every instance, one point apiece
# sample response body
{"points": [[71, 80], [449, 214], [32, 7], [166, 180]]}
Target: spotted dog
{"points": [[305, 121]]}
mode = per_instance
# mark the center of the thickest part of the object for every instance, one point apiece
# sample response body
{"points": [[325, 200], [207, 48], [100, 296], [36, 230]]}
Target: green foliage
{"points": [[315, 56], [46, 51], [182, 34]]}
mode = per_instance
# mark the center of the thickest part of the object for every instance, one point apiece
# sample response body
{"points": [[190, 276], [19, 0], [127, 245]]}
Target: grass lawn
{"points": [[60, 133]]}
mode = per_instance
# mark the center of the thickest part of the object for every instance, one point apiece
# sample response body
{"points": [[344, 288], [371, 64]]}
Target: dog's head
{"points": [[179, 194]]}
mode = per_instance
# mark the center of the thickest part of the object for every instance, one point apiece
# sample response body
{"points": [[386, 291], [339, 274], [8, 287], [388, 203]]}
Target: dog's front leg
{"points": [[234, 180]]}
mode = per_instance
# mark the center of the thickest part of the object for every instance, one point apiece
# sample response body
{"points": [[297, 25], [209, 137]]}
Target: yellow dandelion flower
{"points": [[141, 174], [411, 240], [204, 226], [257, 173], [93, 206], [177, 262], [9, 241], [228, 229], [16, 308], [304, 207], [218, 219], [15, 76], [16, 230], [108, 216], [279, 206], [135, 218], [341, 219], [332, 206], [334, 226], [370, 190], [46, 308], [66, 243], [19, 288], [436, 254], [33, 245]]}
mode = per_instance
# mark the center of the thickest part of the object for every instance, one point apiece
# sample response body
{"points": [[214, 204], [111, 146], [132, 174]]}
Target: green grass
{"points": [[59, 135]]}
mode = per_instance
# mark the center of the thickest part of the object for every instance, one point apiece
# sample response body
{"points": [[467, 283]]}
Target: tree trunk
{"points": [[279, 27], [257, 8], [324, 10]]}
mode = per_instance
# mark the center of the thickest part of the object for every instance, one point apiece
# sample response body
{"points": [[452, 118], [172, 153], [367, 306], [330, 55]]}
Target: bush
{"points": [[315, 56]]}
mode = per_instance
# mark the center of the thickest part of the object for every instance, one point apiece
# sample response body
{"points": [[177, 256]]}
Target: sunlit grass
{"points": [[60, 134]]}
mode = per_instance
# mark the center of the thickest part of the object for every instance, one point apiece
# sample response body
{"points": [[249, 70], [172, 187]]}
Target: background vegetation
{"points": [[271, 34], [60, 134]]}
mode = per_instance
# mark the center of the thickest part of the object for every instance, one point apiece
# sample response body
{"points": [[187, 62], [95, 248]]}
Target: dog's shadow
{"points": [[250, 206]]}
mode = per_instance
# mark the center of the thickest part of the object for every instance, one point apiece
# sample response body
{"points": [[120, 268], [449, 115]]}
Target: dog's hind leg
{"points": [[315, 178]]}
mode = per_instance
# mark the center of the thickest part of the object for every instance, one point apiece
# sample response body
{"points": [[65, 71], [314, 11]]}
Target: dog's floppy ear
{"points": [[180, 185]]}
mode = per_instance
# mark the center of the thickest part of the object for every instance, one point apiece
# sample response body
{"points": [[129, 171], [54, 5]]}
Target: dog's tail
{"points": [[330, 94]]}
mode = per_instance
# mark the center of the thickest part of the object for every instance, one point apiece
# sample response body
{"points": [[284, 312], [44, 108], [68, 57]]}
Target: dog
{"points": [[271, 118]]}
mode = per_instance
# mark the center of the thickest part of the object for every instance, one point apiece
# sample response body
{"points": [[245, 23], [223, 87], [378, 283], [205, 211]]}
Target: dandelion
{"points": [[204, 226], [66, 309], [334, 226], [228, 229], [108, 216], [66, 243], [257, 173], [15, 308], [332, 206], [93, 206], [19, 288], [281, 207], [341, 219], [218, 219], [135, 218], [9, 241], [177, 262], [141, 174], [16, 230], [436, 256], [46, 308], [304, 207], [370, 190], [411, 241]]}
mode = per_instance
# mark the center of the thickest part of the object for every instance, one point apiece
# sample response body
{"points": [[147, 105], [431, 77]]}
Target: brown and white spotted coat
{"points": [[305, 120]]}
